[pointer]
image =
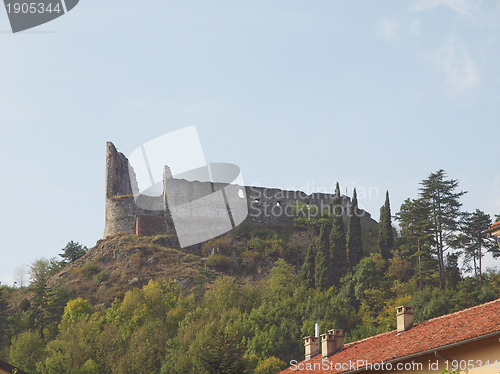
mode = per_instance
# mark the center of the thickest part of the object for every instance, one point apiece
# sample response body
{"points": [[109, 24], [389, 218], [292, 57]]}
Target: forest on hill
{"points": [[255, 292]]}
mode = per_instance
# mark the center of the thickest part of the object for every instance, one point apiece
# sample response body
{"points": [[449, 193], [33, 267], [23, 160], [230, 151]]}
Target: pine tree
{"points": [[473, 240], [452, 271], [338, 252], [444, 207], [416, 235], [385, 236], [354, 244], [308, 267], [73, 251], [322, 262]]}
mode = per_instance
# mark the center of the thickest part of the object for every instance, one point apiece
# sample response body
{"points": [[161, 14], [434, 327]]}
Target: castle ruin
{"points": [[265, 205]]}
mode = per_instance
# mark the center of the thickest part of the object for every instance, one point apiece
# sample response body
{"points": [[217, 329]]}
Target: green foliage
{"points": [[73, 251], [438, 194], [221, 263], [90, 367], [90, 269], [308, 267], [452, 273], [3, 319], [102, 276], [47, 308], [338, 249], [42, 269], [222, 353], [77, 308], [354, 241], [308, 217], [386, 236], [322, 270], [474, 241], [27, 351], [270, 365], [271, 247], [24, 305], [235, 324]]}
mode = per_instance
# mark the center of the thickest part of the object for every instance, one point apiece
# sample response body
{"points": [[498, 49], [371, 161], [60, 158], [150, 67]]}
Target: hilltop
{"points": [[124, 261]]}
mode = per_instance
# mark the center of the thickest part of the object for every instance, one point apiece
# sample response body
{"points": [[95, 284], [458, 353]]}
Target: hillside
{"points": [[121, 262]]}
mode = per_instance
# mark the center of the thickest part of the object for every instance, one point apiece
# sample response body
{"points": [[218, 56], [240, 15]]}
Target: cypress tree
{"points": [[338, 252], [385, 234], [322, 269], [308, 267], [4, 340], [354, 244]]}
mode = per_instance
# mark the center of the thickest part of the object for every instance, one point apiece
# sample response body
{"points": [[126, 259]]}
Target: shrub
{"points": [[221, 245], [221, 263], [101, 277], [250, 260], [89, 269]]}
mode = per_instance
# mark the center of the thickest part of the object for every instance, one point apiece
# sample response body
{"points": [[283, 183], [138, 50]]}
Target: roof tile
{"points": [[461, 326]]}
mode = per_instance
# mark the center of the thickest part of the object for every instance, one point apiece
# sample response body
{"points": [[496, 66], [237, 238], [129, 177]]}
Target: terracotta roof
{"points": [[494, 227], [438, 333]]}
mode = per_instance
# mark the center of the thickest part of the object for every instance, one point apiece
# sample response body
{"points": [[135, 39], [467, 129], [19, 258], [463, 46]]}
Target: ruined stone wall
{"points": [[150, 225], [121, 210], [265, 205]]}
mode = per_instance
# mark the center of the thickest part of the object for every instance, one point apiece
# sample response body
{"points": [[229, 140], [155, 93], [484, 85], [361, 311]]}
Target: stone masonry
{"points": [[265, 205]]}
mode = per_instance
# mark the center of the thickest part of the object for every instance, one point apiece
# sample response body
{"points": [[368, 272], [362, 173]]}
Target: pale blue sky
{"points": [[374, 94]]}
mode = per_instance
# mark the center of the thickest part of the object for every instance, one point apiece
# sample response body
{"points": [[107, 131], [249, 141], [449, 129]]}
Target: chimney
{"points": [[311, 345], [404, 318], [331, 342]]}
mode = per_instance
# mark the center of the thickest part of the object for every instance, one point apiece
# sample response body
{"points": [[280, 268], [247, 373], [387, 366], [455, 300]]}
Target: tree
{"points": [[473, 240], [308, 267], [385, 236], [222, 354], [27, 351], [354, 244], [444, 204], [4, 306], [20, 276], [47, 308], [42, 269], [73, 251], [338, 251], [322, 262], [270, 365], [452, 271], [416, 234]]}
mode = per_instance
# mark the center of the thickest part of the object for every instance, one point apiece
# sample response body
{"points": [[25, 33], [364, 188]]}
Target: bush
{"points": [[89, 269], [271, 247], [24, 305], [101, 277], [221, 263], [221, 245], [250, 260]]}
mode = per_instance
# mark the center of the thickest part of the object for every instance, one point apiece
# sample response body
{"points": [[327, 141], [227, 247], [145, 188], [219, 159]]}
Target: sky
{"points": [[300, 95]]}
